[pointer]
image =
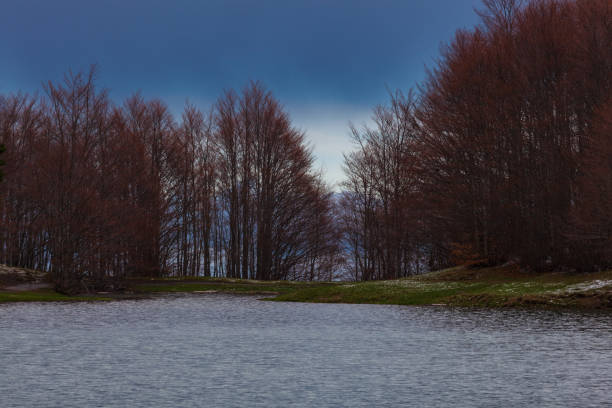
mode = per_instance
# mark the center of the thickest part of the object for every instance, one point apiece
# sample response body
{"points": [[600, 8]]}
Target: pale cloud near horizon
{"points": [[326, 126], [328, 133], [315, 56]]}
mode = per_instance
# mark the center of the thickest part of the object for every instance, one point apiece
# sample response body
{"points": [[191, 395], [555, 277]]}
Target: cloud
{"points": [[327, 131]]}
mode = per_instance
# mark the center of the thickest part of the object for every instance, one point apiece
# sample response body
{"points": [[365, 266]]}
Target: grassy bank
{"points": [[475, 287], [482, 287], [221, 285], [44, 295]]}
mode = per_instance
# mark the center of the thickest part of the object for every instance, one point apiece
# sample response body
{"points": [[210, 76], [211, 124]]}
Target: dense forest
{"points": [[96, 192], [502, 154]]}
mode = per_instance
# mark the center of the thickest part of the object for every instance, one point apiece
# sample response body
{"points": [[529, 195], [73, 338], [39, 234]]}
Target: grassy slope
{"points": [[43, 295], [211, 285], [484, 287], [490, 287]]}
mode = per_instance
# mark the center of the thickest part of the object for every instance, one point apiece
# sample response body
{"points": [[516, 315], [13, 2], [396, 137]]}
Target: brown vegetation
{"points": [[96, 192], [505, 155], [502, 156]]}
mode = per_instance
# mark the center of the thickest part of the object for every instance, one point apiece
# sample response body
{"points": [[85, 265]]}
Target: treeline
{"points": [[95, 192], [504, 155], [2, 149]]}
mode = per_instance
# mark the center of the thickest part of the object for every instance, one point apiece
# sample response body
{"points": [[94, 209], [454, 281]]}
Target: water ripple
{"points": [[233, 351]]}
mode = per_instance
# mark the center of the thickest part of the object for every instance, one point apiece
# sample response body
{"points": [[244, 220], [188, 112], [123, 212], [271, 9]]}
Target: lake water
{"points": [[236, 351]]}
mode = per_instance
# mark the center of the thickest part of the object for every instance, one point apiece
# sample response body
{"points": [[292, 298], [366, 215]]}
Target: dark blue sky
{"points": [[328, 61]]}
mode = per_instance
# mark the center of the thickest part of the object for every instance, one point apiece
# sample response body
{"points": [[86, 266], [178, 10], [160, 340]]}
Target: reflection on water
{"points": [[231, 351]]}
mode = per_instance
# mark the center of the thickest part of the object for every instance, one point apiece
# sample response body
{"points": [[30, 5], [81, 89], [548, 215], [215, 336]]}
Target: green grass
{"points": [[478, 287], [223, 286], [385, 292], [462, 286], [45, 295]]}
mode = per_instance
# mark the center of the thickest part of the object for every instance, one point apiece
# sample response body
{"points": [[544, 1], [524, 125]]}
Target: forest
{"points": [[502, 154]]}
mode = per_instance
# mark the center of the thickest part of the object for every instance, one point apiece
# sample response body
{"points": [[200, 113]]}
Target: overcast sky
{"points": [[329, 62]]}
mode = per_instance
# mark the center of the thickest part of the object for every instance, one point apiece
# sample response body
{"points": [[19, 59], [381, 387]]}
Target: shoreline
{"points": [[495, 287]]}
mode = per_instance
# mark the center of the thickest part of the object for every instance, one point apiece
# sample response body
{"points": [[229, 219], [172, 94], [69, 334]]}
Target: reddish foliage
{"points": [[510, 158], [95, 192]]}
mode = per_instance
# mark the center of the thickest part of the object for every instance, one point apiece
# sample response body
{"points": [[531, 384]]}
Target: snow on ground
{"points": [[419, 284], [585, 286], [21, 273]]}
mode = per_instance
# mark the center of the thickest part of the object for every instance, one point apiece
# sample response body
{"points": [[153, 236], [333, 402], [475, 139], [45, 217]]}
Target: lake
{"points": [[217, 350]]}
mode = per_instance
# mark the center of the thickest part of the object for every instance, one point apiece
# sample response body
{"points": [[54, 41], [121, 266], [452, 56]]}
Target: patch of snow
{"points": [[585, 286], [414, 284], [28, 286], [518, 287]]}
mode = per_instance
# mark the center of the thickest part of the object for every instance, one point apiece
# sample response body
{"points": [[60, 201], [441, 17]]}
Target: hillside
{"points": [[498, 287]]}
